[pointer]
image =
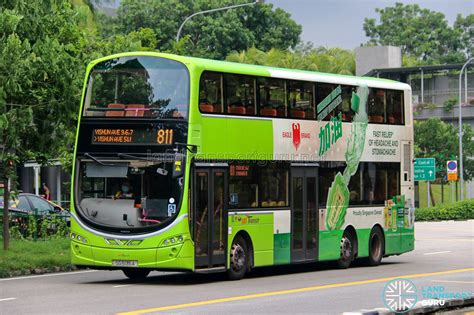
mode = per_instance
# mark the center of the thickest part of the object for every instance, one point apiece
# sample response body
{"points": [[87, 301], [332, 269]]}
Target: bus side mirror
{"points": [[178, 165]]}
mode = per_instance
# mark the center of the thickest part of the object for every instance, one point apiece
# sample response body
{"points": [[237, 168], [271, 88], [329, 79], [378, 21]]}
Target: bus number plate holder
{"points": [[125, 263]]}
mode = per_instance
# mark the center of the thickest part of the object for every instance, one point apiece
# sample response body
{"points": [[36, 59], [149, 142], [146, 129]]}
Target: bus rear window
{"points": [[140, 86]]}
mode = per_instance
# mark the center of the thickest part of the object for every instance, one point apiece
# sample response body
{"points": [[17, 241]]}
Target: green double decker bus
{"points": [[188, 164]]}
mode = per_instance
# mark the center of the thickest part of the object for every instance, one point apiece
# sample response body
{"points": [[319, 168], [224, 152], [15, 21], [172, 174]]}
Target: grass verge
{"points": [[27, 257]]}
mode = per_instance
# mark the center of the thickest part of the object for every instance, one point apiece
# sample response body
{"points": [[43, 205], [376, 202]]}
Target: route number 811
{"points": [[164, 136]]}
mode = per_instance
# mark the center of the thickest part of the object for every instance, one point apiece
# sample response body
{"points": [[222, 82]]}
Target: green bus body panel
{"points": [[329, 245], [282, 248], [363, 236], [219, 138], [229, 139], [259, 227], [400, 241]]}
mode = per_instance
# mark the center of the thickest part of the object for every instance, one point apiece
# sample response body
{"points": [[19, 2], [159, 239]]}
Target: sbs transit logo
{"points": [[400, 295]]}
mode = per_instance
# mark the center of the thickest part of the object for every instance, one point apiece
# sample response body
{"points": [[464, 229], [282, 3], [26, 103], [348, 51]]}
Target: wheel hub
{"points": [[346, 248], [237, 257]]}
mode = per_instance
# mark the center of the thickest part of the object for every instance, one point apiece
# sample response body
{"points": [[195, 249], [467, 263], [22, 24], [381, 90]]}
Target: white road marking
{"points": [[49, 275], [7, 299], [121, 286], [446, 239], [436, 253]]}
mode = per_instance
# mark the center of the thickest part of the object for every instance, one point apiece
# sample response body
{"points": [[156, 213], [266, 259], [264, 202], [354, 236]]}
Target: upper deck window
{"points": [[272, 97], [240, 95], [210, 93], [139, 86], [300, 100]]}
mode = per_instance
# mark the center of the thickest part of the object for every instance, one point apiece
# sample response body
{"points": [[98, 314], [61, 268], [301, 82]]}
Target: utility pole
{"points": [[461, 170]]}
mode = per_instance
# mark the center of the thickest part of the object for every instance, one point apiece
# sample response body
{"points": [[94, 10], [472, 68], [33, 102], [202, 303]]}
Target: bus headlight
{"points": [[173, 240], [79, 238]]}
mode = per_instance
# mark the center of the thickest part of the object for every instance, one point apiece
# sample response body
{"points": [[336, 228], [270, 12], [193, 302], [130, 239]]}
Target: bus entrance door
{"points": [[210, 217], [304, 213]]}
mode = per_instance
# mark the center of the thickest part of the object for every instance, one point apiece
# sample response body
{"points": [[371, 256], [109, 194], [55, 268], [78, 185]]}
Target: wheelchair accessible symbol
{"points": [[400, 295], [171, 209]]}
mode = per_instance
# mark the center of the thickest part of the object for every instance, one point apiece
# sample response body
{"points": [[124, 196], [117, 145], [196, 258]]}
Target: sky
{"points": [[339, 23]]}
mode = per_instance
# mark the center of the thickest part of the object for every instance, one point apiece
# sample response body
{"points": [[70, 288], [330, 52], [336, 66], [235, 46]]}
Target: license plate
{"points": [[125, 263]]}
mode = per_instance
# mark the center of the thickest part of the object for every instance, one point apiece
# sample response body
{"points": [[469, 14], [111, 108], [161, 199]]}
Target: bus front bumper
{"points": [[178, 256]]}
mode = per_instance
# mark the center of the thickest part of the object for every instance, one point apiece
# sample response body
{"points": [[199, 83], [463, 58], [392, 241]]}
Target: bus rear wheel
{"points": [[136, 273], [238, 259], [376, 247], [347, 251]]}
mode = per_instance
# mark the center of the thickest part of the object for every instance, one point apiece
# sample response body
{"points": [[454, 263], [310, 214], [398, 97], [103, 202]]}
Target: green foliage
{"points": [[435, 138], [450, 103], [26, 257], [423, 34], [211, 35], [330, 60], [44, 49], [463, 210], [33, 227]]}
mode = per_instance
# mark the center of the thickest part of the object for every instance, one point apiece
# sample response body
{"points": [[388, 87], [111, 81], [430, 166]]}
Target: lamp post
{"points": [[213, 10], [461, 170]]}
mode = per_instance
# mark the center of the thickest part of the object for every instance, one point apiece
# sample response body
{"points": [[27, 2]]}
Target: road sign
{"points": [[425, 169], [452, 170]]}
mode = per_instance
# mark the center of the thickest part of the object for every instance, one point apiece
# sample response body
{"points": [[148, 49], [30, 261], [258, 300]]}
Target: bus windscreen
{"points": [[138, 87]]}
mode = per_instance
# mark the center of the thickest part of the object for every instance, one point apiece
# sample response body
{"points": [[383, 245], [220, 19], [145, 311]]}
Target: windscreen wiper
{"points": [[97, 160], [123, 155]]}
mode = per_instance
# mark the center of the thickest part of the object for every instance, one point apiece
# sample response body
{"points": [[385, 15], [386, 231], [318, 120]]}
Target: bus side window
{"points": [[210, 93], [300, 99], [395, 107], [322, 91], [240, 94], [272, 102], [347, 112], [376, 106]]}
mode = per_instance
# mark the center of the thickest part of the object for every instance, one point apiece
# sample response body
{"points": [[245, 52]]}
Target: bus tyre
{"points": [[136, 273], [238, 259], [376, 247], [347, 251]]}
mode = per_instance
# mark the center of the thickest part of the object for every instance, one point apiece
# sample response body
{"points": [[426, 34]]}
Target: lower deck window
{"points": [[252, 185], [372, 184]]}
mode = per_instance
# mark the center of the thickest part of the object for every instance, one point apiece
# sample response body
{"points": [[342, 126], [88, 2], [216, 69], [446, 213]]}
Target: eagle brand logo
{"points": [[296, 131]]}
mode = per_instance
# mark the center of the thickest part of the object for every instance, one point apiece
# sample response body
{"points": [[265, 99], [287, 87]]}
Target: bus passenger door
{"points": [[210, 217], [304, 213]]}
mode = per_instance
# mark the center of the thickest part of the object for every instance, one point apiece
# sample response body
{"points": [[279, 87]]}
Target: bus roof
{"points": [[259, 70]]}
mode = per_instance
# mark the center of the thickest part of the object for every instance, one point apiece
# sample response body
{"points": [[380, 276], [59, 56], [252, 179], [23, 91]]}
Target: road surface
{"points": [[444, 258]]}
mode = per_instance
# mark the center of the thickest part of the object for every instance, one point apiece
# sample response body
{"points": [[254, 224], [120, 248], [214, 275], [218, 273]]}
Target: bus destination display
{"points": [[132, 136]]}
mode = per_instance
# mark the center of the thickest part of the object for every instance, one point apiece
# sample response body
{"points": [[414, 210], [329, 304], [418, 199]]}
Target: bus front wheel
{"points": [[136, 273], [238, 259], [347, 251]]}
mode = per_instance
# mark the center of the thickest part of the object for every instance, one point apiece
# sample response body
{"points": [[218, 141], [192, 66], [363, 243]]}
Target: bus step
{"points": [[211, 270]]}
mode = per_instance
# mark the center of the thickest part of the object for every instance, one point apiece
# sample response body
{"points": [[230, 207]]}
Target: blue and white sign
{"points": [[452, 166], [171, 209]]}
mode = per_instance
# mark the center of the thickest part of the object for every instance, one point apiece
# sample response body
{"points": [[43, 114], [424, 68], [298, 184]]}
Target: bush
{"points": [[450, 103], [462, 210]]}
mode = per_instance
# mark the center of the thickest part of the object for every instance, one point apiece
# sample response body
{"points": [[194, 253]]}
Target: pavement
{"points": [[443, 260]]}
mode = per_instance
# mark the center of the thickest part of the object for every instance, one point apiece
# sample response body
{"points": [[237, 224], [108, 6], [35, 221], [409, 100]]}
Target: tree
{"points": [[212, 35], [304, 57], [435, 138], [421, 33], [465, 25], [44, 50]]}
